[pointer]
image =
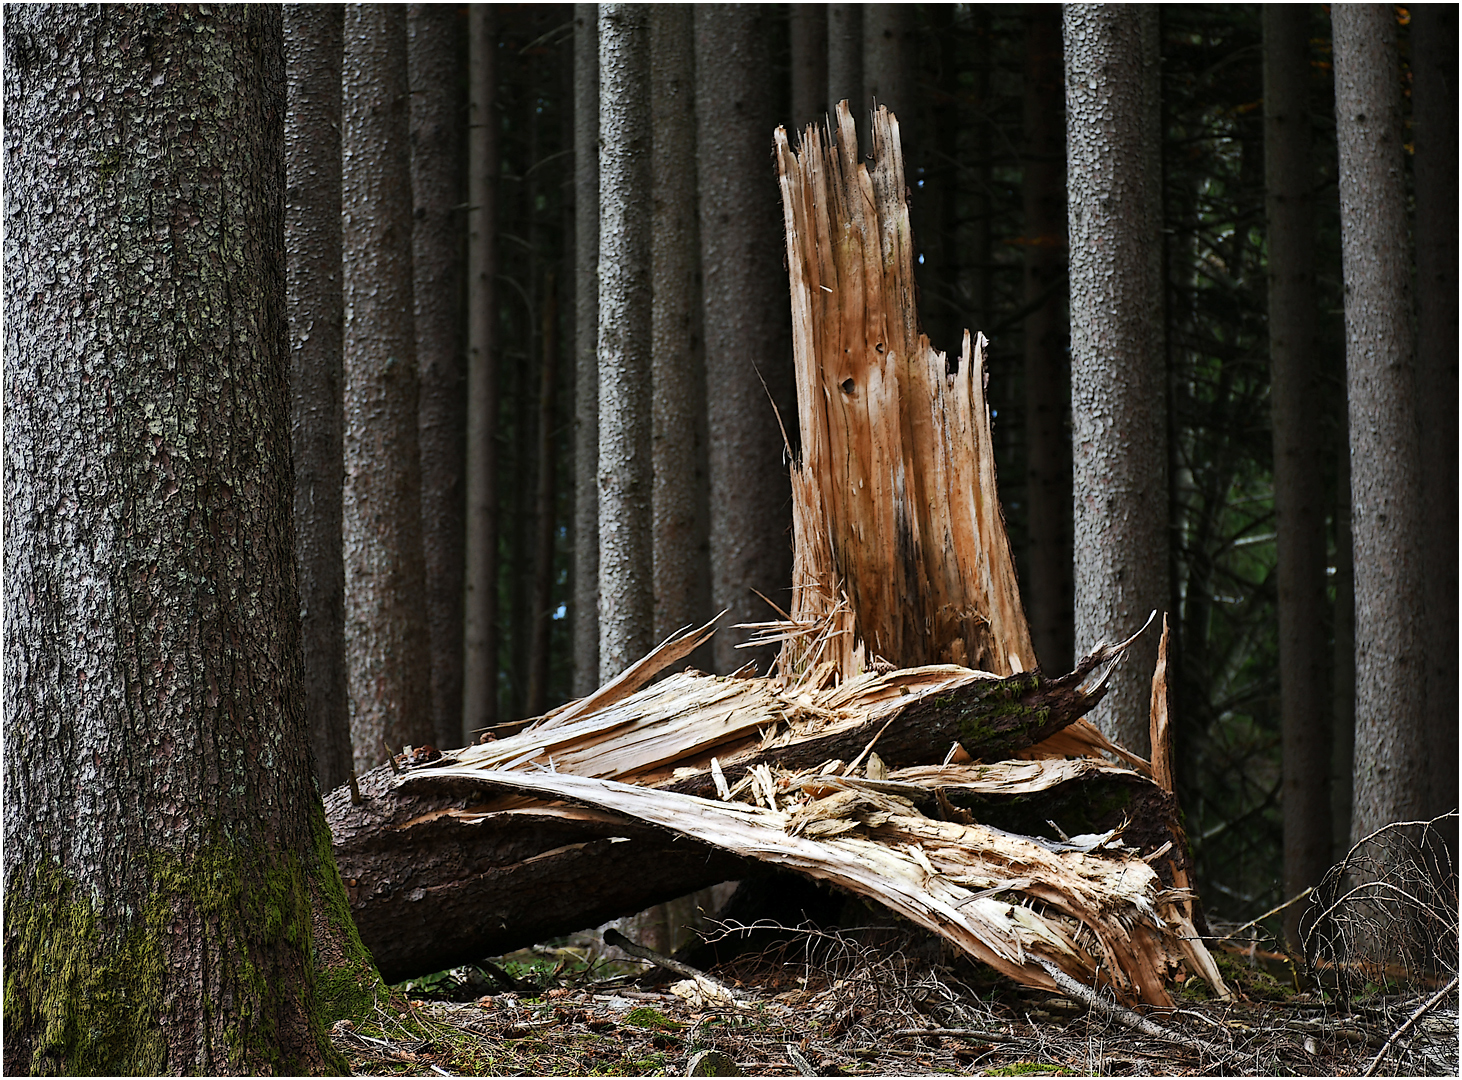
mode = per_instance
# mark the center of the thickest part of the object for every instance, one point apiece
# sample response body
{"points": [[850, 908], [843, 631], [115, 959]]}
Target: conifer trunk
{"points": [[1118, 400], [479, 623], [385, 573], [1385, 457], [626, 568], [437, 190], [163, 836], [1298, 480], [313, 50], [586, 345]]}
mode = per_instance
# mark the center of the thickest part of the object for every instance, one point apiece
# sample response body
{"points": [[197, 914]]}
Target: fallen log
{"points": [[977, 803]]}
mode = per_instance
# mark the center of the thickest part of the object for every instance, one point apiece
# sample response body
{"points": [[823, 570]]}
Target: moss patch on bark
{"points": [[85, 997]]}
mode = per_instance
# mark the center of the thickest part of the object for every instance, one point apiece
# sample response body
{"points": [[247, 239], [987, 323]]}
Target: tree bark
{"points": [[1298, 479], [678, 372], [313, 50], [436, 188], [480, 637], [586, 356], [1118, 403], [748, 373], [626, 566], [1434, 126], [1385, 458], [1047, 569], [845, 63], [385, 576], [888, 77], [809, 64], [162, 833]]}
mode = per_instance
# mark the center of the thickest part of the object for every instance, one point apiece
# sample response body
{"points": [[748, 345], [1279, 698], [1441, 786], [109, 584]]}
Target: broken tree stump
{"points": [[909, 748]]}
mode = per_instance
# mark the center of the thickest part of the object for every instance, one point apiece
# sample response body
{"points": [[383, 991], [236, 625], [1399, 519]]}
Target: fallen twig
{"points": [[955, 1033], [1089, 997], [1426, 1006], [685, 971]]}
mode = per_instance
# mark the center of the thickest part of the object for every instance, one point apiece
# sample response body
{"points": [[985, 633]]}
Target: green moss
{"points": [[88, 994], [646, 1017], [998, 714], [347, 984], [1030, 1068]]}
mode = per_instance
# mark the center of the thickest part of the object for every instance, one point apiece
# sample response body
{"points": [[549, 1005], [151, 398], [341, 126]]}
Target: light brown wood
{"points": [[900, 550]]}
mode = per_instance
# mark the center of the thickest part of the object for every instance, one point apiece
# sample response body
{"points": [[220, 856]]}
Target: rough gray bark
{"points": [[1299, 488], [681, 581], [436, 240], [1434, 135], [586, 345], [312, 53], [1385, 458], [809, 64], [888, 75], [386, 642], [479, 597], [1118, 402], [161, 825], [1342, 662], [748, 340], [1046, 571], [845, 63], [626, 568]]}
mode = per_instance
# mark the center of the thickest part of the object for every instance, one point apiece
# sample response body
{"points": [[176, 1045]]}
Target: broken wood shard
{"points": [[909, 747]]}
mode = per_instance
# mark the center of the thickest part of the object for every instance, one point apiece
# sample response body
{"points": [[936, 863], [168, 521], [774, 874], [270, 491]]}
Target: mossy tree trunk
{"points": [[163, 838]]}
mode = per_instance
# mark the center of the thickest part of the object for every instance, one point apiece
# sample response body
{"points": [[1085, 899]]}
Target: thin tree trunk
{"points": [[1299, 487], [586, 358], [845, 63], [479, 657], [1118, 404], [436, 186], [678, 377], [385, 574], [888, 77], [313, 50], [541, 609], [1385, 459], [162, 833], [1047, 569], [748, 361], [1434, 126], [1342, 749], [809, 64], [626, 568]]}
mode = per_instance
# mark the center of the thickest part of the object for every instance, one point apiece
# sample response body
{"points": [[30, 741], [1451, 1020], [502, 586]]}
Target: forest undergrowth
{"points": [[876, 1001]]}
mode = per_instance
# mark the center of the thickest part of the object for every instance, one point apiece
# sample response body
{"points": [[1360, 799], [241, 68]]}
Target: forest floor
{"points": [[880, 1004]]}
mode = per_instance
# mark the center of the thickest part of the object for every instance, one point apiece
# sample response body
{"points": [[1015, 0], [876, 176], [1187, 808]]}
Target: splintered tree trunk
{"points": [[863, 778], [898, 542]]}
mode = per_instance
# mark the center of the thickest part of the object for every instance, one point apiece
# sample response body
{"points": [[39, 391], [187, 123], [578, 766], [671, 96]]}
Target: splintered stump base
{"points": [[975, 803]]}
